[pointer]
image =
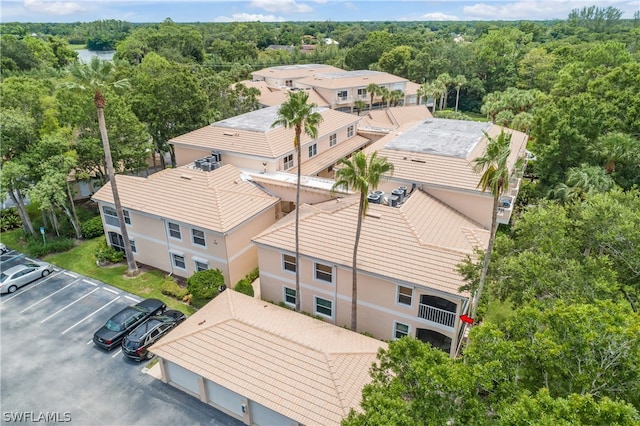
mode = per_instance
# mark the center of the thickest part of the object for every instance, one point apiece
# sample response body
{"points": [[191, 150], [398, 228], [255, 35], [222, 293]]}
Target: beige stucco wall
{"points": [[233, 254], [378, 309]]}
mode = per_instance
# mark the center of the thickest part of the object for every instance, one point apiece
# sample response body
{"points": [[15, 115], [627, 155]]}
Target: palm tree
{"points": [[395, 96], [94, 77], [495, 178], [384, 93], [615, 149], [362, 176], [444, 80], [459, 81], [373, 90], [359, 105], [296, 113], [424, 91]]}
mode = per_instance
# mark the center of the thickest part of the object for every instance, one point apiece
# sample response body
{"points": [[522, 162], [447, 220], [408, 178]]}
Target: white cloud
{"points": [[540, 10], [289, 6], [350, 6], [53, 7], [438, 17], [246, 17]]}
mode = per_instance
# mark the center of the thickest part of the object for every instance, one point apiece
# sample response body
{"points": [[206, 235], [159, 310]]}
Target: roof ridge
{"points": [[338, 389]]}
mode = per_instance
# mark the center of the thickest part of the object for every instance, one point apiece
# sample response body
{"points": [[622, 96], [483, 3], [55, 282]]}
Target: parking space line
{"points": [[70, 274], [90, 315], [65, 307], [109, 290], [134, 299], [30, 287], [117, 353], [90, 283], [45, 298], [89, 342]]}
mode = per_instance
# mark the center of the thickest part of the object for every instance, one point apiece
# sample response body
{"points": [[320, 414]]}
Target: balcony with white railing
{"points": [[437, 315]]}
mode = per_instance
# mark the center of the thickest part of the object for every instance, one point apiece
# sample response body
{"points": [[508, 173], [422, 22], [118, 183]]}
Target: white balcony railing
{"points": [[436, 315]]}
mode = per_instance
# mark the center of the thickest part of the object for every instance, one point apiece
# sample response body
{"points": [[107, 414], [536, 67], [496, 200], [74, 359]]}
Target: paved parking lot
{"points": [[50, 368]]}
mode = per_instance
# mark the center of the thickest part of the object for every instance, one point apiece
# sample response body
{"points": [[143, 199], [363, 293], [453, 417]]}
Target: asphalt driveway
{"points": [[51, 370]]}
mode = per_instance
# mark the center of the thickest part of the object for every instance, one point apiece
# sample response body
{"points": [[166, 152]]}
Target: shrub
{"points": [[106, 253], [37, 248], [204, 286], [9, 219], [253, 275], [92, 228], [244, 286], [171, 288]]}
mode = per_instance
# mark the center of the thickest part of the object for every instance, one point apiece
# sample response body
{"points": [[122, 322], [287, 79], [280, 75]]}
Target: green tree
{"points": [[298, 114], [204, 286], [169, 99], [495, 178], [93, 77], [362, 175], [459, 81], [373, 90], [359, 105]]}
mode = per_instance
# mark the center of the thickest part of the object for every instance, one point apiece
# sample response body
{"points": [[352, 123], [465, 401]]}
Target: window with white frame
{"points": [[288, 162], [132, 243], [333, 139], [200, 265], [116, 240], [289, 263], [178, 261], [362, 92], [198, 237], [174, 230], [342, 95], [127, 218], [349, 131], [400, 330], [289, 296], [313, 150], [323, 307], [110, 216], [405, 295], [324, 272], [288, 83]]}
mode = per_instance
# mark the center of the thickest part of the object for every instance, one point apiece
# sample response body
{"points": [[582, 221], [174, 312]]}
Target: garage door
{"points": [[263, 416], [223, 397], [182, 377]]}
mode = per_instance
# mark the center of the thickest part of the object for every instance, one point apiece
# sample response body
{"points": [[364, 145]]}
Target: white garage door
{"points": [[263, 416], [182, 377], [224, 397]]}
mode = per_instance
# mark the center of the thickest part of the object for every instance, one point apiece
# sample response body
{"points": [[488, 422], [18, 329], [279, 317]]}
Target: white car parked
{"points": [[19, 275]]}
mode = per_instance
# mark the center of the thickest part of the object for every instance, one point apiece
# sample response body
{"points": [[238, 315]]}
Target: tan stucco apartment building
{"points": [[188, 219]]}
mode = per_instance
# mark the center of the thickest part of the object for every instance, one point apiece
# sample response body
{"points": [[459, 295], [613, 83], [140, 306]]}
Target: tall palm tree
{"points": [[444, 80], [395, 96], [296, 113], [495, 178], [94, 77], [384, 94], [459, 81], [359, 105], [373, 90], [362, 176]]}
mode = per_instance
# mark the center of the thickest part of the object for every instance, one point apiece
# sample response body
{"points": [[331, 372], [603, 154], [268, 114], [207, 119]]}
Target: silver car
{"points": [[19, 275]]}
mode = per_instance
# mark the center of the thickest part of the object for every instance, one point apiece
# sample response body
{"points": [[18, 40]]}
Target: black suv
{"points": [[112, 333], [135, 345]]}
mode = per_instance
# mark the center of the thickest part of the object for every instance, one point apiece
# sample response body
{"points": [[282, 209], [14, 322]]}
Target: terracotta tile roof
{"points": [[305, 369], [420, 242], [443, 157], [328, 158], [394, 117], [294, 71], [218, 200], [277, 97], [252, 134], [349, 79]]}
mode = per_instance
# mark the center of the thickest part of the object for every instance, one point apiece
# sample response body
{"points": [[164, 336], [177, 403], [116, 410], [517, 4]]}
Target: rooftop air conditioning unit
{"points": [[198, 163], [207, 167], [393, 201], [374, 198], [398, 193]]}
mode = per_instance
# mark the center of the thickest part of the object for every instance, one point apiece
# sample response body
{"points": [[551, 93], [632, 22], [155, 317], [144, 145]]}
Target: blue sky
{"points": [[296, 10]]}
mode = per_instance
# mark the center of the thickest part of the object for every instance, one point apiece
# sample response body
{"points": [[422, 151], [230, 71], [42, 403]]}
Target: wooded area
{"points": [[561, 340]]}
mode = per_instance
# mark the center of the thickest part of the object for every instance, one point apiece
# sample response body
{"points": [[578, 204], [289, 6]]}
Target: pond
{"points": [[85, 55]]}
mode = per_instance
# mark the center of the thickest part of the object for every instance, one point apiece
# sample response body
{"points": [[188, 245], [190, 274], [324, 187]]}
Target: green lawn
{"points": [[81, 259]]}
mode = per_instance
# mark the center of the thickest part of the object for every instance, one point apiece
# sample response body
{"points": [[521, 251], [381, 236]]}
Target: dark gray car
{"points": [[136, 344], [112, 333]]}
